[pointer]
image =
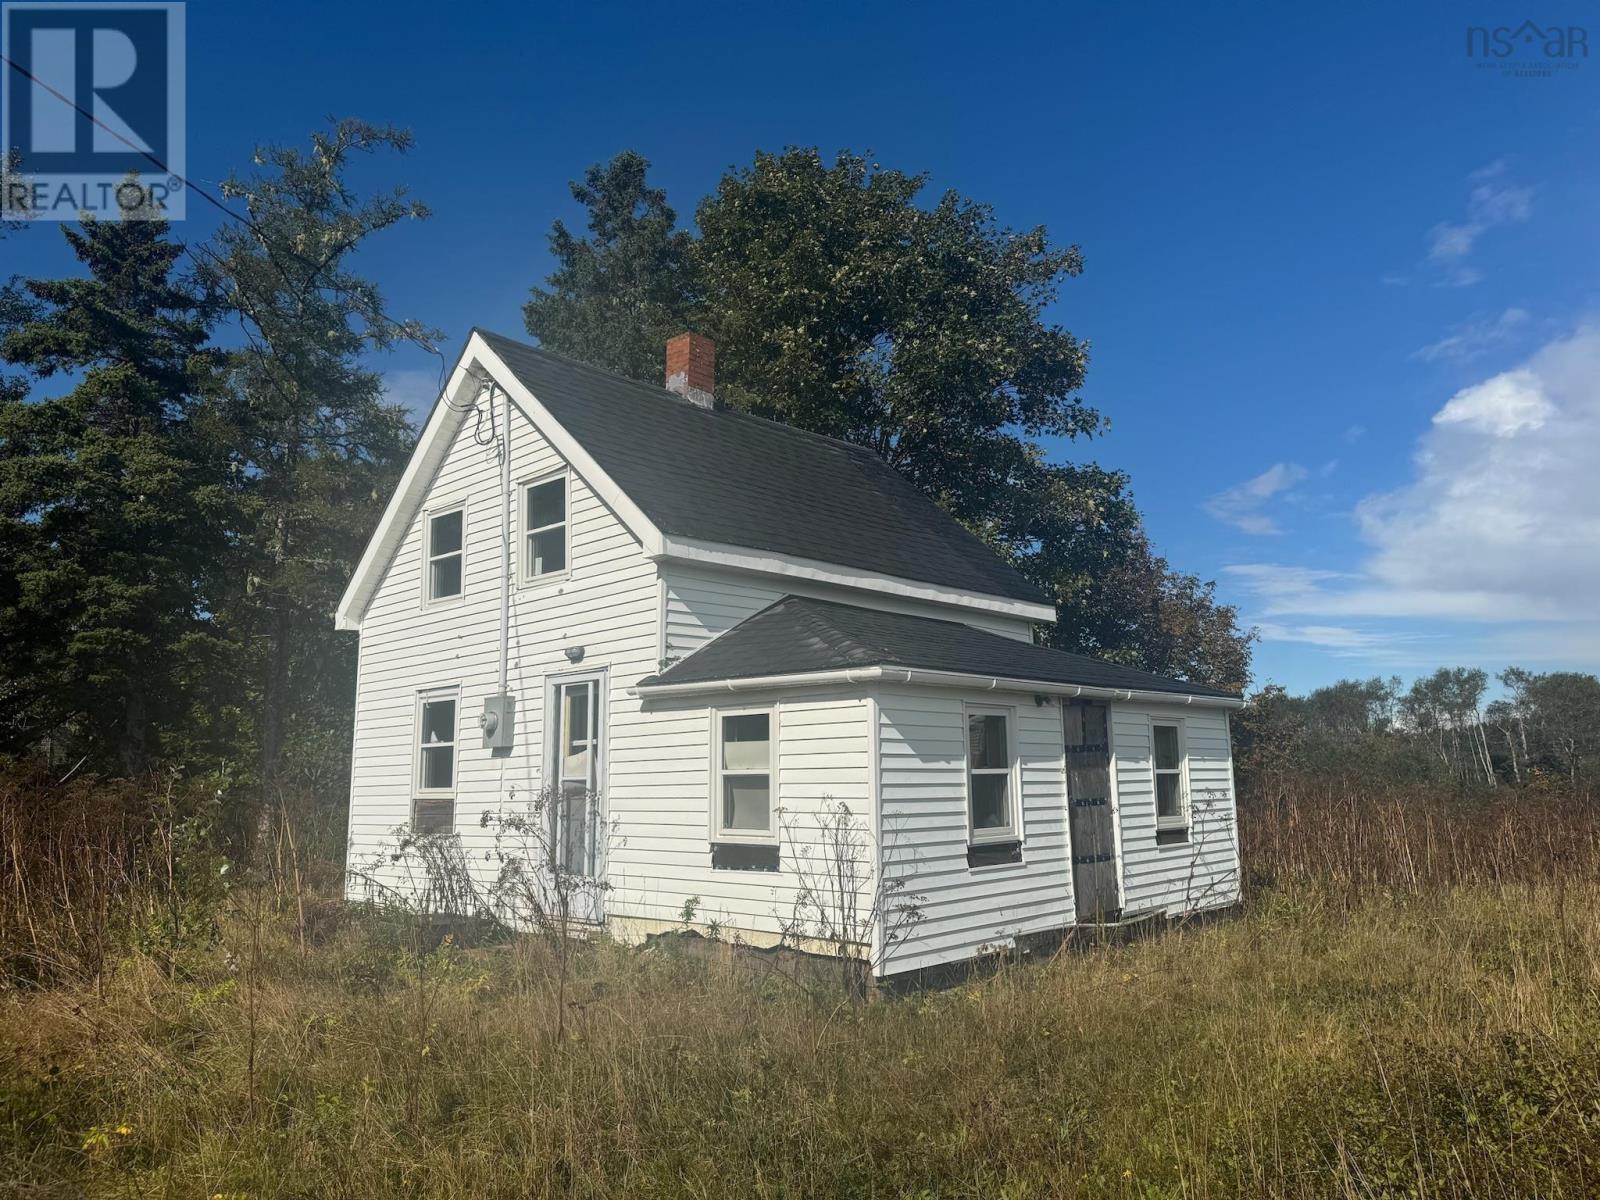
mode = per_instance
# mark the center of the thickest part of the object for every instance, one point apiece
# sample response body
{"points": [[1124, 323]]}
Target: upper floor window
{"points": [[433, 799], [544, 527], [991, 802], [446, 553], [1167, 748]]}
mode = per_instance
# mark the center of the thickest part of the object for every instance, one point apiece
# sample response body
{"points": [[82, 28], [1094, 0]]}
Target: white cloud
{"points": [[1342, 640], [1492, 203], [1476, 337], [1241, 505], [1500, 523], [1503, 406]]}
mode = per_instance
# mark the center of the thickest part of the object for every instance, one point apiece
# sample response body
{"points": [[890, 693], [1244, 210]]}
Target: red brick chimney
{"points": [[692, 368]]}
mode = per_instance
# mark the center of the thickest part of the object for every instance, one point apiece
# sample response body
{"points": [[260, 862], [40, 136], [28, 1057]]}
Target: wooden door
{"points": [[1087, 728]]}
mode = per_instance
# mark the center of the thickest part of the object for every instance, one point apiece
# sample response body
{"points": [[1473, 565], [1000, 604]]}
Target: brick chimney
{"points": [[692, 368]]}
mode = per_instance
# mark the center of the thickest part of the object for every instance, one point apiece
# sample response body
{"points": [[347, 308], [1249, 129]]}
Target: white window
{"points": [[433, 807], [544, 528], [991, 799], [1167, 753], [446, 541], [743, 799], [575, 808]]}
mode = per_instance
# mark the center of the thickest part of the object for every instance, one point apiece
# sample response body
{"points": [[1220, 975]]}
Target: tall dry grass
{"points": [[1361, 837], [1392, 1017]]}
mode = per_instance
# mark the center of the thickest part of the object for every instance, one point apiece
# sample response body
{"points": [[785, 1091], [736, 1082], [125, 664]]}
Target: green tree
{"points": [[111, 497], [621, 292], [316, 442], [843, 305]]}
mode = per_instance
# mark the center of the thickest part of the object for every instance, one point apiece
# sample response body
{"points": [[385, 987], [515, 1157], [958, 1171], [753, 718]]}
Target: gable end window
{"points": [[544, 528], [443, 577], [1167, 763], [743, 799], [433, 808], [991, 783]]}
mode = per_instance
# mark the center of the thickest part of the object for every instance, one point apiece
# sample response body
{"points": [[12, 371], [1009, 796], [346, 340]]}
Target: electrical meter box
{"points": [[499, 721]]}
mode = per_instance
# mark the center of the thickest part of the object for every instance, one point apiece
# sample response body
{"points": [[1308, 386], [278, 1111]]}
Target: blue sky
{"points": [[1341, 282]]}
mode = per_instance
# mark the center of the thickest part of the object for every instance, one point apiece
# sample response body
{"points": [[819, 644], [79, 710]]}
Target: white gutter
{"points": [[952, 679]]}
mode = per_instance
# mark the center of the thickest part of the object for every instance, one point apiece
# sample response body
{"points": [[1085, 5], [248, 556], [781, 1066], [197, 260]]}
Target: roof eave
{"points": [[692, 550], [951, 679]]}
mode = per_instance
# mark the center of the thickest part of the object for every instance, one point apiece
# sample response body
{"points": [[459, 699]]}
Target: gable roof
{"points": [[800, 636], [729, 478], [709, 486]]}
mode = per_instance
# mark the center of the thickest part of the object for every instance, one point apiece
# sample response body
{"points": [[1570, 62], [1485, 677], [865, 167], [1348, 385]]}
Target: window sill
{"points": [[455, 601], [744, 856], [540, 581], [994, 854], [1178, 835]]}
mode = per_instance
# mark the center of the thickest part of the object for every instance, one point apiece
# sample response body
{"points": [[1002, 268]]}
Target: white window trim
{"points": [[524, 579], [1013, 829], [428, 600], [551, 750], [418, 792], [744, 837], [1182, 820]]}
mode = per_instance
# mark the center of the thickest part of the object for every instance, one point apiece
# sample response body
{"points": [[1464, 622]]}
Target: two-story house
{"points": [[707, 629]]}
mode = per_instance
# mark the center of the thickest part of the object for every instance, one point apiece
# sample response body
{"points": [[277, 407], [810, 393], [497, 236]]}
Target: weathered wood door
{"points": [[1087, 729]]}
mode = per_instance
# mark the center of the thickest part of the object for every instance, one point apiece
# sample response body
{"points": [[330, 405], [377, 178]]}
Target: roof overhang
{"points": [[690, 550], [949, 679]]}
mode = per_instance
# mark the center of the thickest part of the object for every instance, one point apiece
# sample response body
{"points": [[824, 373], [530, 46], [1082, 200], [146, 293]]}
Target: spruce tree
{"points": [[111, 501]]}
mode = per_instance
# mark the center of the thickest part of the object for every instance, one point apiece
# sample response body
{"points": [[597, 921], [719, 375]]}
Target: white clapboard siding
{"points": [[1204, 872], [661, 790], [658, 762], [607, 604], [923, 802], [702, 602]]}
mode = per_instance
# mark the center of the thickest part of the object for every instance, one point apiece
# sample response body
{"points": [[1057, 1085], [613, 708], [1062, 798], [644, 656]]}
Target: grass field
{"points": [[1423, 1037]]}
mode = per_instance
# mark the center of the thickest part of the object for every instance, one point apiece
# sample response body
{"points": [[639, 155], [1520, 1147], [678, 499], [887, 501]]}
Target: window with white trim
{"points": [[544, 528], [446, 554], [1167, 755], [991, 800], [433, 808], [743, 799]]}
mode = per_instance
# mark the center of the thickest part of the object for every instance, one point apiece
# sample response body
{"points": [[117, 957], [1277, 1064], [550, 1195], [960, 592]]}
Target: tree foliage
{"points": [[112, 498], [313, 437], [1547, 726], [843, 304]]}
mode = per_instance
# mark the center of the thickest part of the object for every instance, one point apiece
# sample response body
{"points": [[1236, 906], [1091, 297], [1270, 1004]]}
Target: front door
{"points": [[576, 816], [1087, 728]]}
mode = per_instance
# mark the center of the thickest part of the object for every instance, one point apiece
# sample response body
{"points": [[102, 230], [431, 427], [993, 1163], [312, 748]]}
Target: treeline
{"points": [[192, 453], [1543, 730]]}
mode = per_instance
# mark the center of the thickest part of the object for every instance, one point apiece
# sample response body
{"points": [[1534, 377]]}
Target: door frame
{"points": [[1113, 804], [550, 775]]}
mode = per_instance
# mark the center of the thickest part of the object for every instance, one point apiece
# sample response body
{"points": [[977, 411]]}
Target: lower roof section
{"points": [[798, 641]]}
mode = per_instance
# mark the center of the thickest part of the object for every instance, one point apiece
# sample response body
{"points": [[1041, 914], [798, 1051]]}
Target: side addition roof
{"points": [[800, 637]]}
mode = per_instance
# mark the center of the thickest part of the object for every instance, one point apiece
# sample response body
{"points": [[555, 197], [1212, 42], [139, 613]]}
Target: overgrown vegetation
{"points": [[1406, 1007]]}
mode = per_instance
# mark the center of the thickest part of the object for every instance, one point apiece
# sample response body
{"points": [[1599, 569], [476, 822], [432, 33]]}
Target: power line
{"points": [[400, 327]]}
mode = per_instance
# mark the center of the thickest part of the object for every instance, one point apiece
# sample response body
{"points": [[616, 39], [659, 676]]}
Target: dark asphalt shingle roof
{"points": [[730, 478], [796, 635]]}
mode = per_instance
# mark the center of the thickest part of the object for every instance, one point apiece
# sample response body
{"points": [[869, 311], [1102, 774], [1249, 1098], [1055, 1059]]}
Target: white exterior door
{"points": [[577, 754]]}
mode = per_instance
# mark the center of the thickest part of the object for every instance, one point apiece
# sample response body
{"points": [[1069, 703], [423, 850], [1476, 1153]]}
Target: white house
{"points": [[716, 628]]}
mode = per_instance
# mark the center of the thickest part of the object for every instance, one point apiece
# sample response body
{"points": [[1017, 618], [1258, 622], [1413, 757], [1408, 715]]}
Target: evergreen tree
{"points": [[111, 499], [319, 447]]}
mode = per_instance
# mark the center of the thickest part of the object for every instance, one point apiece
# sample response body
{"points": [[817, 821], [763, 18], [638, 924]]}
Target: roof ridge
{"points": [[653, 388]]}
